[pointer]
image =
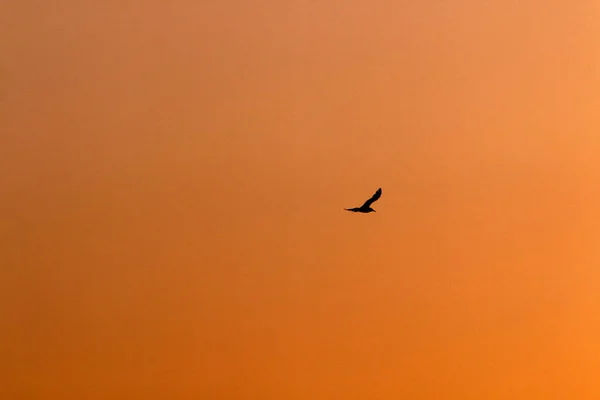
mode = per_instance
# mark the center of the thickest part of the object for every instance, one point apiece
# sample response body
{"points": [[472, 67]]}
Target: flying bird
{"points": [[366, 208]]}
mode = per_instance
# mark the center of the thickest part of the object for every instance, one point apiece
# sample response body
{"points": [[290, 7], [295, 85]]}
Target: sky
{"points": [[173, 177]]}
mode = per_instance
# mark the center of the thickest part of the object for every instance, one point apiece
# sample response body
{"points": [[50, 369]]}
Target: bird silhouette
{"points": [[366, 208]]}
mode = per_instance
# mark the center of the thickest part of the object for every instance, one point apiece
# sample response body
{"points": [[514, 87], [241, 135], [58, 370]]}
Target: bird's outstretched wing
{"points": [[373, 199]]}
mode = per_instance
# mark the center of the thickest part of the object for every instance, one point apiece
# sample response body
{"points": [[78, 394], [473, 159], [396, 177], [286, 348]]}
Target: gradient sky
{"points": [[173, 177]]}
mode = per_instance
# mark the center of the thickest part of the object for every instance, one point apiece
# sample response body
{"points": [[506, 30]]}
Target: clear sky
{"points": [[172, 184]]}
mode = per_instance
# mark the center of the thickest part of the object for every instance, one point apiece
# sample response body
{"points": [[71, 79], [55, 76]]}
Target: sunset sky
{"points": [[173, 176]]}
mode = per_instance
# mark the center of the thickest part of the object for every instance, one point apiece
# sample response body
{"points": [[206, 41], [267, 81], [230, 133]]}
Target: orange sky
{"points": [[173, 177]]}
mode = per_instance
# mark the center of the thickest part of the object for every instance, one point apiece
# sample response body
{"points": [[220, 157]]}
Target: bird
{"points": [[366, 208]]}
